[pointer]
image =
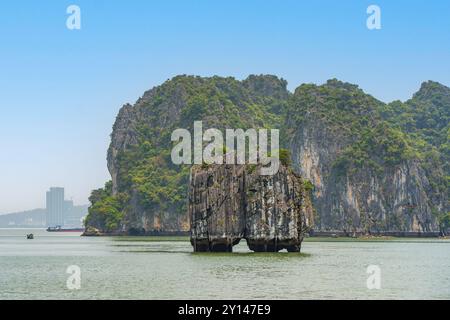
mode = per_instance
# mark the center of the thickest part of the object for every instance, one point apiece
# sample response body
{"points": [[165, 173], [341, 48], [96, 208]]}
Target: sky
{"points": [[60, 89]]}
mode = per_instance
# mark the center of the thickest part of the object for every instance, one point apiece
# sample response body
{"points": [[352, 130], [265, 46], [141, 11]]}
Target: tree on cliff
{"points": [[358, 136]]}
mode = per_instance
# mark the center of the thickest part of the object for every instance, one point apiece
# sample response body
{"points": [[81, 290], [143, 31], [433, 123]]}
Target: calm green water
{"points": [[149, 268]]}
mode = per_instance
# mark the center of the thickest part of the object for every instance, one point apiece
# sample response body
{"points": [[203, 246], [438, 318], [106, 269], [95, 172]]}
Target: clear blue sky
{"points": [[60, 90]]}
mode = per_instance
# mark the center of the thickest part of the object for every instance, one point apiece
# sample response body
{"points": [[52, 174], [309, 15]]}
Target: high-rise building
{"points": [[70, 214], [55, 207]]}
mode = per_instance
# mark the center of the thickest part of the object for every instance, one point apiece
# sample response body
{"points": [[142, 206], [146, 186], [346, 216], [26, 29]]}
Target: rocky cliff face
{"points": [[366, 177], [153, 191], [228, 203], [374, 167], [396, 200]]}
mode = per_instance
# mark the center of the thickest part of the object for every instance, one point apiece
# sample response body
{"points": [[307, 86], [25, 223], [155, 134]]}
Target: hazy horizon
{"points": [[62, 89], [40, 208]]}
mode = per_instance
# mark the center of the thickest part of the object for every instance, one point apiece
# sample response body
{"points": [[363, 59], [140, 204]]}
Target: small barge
{"points": [[60, 229]]}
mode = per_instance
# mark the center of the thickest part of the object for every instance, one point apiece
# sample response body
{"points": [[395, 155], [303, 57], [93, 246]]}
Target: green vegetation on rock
{"points": [[148, 192], [143, 167], [350, 114], [107, 210]]}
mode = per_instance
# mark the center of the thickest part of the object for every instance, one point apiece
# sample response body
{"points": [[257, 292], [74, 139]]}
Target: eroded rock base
{"points": [[224, 245], [228, 203], [216, 245]]}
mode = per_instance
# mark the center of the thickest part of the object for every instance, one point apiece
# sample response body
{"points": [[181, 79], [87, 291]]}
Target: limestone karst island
{"points": [[351, 165]]}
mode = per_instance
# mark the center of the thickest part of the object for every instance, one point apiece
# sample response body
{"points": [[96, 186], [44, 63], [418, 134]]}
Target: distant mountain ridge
{"points": [[374, 167], [35, 218]]}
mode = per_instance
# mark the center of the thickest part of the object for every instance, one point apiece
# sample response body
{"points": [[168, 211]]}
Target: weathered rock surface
{"points": [[376, 168], [139, 153], [228, 203], [363, 183], [364, 202], [278, 211]]}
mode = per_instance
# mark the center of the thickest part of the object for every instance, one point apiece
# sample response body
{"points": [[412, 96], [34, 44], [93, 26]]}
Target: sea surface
{"points": [[166, 268]]}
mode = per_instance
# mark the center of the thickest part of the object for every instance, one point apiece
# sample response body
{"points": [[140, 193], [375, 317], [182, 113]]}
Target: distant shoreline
{"points": [[396, 234], [328, 235], [307, 239], [316, 236]]}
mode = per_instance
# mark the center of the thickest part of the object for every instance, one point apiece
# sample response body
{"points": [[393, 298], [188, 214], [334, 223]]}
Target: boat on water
{"points": [[30, 236], [61, 229]]}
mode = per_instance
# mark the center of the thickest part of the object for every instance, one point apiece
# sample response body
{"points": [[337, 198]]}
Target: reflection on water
{"points": [[166, 268]]}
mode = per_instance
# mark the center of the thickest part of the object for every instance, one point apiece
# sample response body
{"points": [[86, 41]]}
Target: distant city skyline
{"points": [[60, 212], [45, 202], [61, 89]]}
